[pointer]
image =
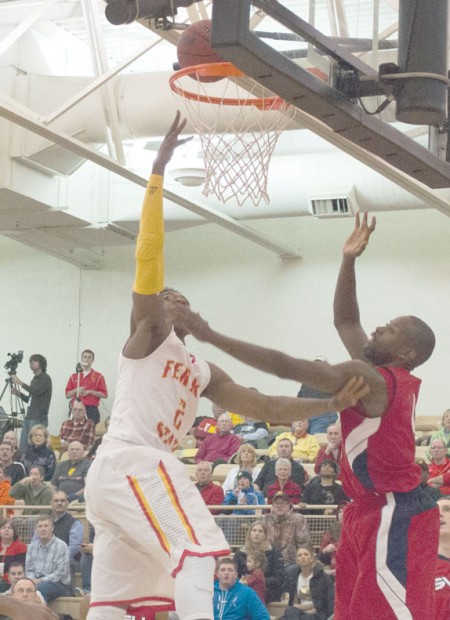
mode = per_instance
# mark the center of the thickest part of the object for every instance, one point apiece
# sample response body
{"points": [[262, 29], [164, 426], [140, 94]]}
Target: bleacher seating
{"points": [[428, 423]]}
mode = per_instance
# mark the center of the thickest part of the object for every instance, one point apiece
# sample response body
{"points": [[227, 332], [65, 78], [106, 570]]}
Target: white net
{"points": [[237, 155]]}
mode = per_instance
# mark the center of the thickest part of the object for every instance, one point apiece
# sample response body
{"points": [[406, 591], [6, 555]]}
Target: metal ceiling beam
{"points": [[341, 122], [25, 118], [25, 24]]}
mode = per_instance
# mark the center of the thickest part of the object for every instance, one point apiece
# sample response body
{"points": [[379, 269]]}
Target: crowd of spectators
{"points": [[277, 561]]}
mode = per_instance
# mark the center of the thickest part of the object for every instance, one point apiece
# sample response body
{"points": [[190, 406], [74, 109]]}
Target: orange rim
{"points": [[220, 69]]}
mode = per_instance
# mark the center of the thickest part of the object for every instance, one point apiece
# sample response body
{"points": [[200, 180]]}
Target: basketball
{"points": [[194, 48]]}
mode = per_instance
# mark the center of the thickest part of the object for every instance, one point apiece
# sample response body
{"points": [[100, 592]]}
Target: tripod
{"points": [[15, 420]]}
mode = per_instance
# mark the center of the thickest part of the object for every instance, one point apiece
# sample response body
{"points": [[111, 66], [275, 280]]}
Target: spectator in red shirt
{"points": [[211, 493], [12, 549], [439, 468], [293, 491], [332, 451], [88, 385], [77, 428], [255, 579], [220, 446]]}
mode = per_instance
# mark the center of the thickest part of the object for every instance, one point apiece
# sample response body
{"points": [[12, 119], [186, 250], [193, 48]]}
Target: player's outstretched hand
{"points": [[18, 610], [191, 322], [358, 240], [169, 144], [348, 396]]}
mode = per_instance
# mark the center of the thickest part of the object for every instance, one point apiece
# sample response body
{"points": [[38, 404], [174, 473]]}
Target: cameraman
{"points": [[40, 392]]}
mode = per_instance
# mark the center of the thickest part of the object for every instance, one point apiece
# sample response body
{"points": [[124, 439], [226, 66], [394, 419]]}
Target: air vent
{"points": [[333, 206]]}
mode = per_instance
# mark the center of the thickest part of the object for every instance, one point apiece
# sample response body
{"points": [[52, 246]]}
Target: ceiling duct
{"points": [[334, 204]]}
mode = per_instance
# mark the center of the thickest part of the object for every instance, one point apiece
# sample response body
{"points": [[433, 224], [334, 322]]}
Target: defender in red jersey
{"points": [[442, 580], [387, 553]]}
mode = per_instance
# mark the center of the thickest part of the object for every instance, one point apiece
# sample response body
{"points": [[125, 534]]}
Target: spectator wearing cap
{"points": [[244, 494], [323, 489], [287, 529], [283, 470]]}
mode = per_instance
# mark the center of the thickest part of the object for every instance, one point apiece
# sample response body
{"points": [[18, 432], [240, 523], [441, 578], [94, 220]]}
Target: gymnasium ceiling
{"points": [[84, 105]]}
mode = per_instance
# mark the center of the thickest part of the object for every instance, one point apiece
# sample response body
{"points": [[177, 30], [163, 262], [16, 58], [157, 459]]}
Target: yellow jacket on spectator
{"points": [[305, 447]]}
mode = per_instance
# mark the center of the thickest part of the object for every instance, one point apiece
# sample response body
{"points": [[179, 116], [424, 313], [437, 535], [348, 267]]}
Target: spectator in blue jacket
{"points": [[234, 600], [244, 494]]}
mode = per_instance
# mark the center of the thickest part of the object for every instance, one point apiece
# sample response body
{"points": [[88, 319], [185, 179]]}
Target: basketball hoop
{"points": [[236, 159]]}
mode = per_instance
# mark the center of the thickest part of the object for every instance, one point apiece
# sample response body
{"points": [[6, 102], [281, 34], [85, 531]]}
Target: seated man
{"points": [[267, 475], [24, 589], [77, 428], [305, 447], [439, 467], [67, 528], [32, 490], [323, 489], [48, 562], [220, 446], [332, 450], [283, 471], [442, 582], [16, 572], [234, 600], [14, 470], [251, 431], [287, 529], [211, 493], [319, 423], [205, 425], [70, 475]]}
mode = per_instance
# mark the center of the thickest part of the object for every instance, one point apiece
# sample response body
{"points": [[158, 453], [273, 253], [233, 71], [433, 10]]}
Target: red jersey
{"points": [[379, 453], [93, 380], [442, 587]]}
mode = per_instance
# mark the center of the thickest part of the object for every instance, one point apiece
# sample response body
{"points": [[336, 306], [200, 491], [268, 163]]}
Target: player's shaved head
{"points": [[422, 339]]}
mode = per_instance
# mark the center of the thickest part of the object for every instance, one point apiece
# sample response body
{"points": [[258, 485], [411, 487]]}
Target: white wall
{"points": [[53, 308]]}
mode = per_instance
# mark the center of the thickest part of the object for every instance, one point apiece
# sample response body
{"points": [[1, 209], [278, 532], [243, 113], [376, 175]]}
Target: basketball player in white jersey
{"points": [[155, 539]]}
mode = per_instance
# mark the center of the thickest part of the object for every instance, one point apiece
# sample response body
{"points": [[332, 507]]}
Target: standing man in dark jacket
{"points": [[40, 393]]}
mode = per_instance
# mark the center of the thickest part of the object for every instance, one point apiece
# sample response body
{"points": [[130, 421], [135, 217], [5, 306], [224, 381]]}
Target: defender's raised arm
{"points": [[346, 310]]}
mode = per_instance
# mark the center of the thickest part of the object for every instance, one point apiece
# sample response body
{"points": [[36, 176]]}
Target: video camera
{"points": [[11, 364], [119, 12]]}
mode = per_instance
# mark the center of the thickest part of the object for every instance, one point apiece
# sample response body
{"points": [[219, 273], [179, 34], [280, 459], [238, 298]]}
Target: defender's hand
{"points": [[348, 396], [191, 322], [358, 240]]}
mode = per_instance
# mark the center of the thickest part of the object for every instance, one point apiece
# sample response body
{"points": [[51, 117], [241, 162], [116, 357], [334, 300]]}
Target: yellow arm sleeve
{"points": [[149, 278]]}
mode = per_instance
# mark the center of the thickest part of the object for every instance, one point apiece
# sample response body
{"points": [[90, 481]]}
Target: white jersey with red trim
{"points": [[147, 514], [157, 397]]}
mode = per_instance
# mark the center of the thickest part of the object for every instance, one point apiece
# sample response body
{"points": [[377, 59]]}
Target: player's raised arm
{"points": [[326, 377], [223, 391], [346, 310], [148, 322]]}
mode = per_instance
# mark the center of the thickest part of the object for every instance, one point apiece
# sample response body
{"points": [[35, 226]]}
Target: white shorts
{"points": [[148, 516]]}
